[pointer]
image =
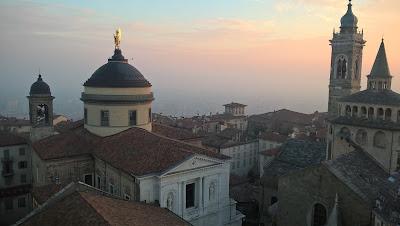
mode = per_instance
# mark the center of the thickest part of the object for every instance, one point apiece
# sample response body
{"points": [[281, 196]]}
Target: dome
{"points": [[40, 87], [117, 73], [349, 20]]}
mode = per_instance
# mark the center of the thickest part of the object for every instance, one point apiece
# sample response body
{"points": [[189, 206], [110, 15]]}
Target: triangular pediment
{"points": [[192, 163]]}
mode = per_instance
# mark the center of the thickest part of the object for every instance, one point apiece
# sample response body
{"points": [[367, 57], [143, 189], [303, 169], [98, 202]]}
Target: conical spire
{"points": [[381, 66]]}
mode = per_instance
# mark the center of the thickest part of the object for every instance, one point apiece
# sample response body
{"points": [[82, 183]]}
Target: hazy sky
{"points": [[259, 52]]}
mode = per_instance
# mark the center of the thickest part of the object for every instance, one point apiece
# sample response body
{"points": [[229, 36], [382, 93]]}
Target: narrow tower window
{"points": [[104, 118], [339, 69], [132, 118], [344, 69], [149, 114]]}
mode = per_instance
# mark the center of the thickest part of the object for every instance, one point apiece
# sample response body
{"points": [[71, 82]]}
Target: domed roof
{"points": [[117, 73], [40, 87], [349, 20]]}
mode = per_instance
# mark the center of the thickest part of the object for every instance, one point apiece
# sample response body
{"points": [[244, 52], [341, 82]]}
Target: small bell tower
{"points": [[40, 110]]}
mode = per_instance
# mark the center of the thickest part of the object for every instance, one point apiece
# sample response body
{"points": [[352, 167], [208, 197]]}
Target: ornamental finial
{"points": [[117, 38]]}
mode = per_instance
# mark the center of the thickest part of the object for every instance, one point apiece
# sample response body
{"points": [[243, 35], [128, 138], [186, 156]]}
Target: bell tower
{"points": [[40, 110], [346, 61]]}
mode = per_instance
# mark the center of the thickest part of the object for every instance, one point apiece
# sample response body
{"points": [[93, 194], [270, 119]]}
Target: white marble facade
{"points": [[208, 181]]}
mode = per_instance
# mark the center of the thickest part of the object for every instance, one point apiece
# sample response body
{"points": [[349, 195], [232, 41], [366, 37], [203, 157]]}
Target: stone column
{"points": [[183, 198], [200, 192]]}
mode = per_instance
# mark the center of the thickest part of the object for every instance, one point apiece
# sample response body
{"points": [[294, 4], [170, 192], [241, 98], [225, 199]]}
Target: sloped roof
{"points": [[13, 121], [82, 208], [229, 132], [65, 126], [360, 173], [273, 137], [381, 97], [271, 152], [295, 155], [44, 193], [8, 139], [213, 140], [234, 105], [235, 179], [365, 122], [174, 133], [134, 151], [381, 66]]}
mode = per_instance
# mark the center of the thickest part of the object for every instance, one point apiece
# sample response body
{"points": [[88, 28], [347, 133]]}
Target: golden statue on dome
{"points": [[117, 38]]}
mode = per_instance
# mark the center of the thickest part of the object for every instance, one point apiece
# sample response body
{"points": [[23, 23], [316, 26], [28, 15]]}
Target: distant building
{"points": [[16, 178]]}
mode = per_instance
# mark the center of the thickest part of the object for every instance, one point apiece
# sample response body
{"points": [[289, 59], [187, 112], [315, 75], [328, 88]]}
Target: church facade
{"points": [[117, 152]]}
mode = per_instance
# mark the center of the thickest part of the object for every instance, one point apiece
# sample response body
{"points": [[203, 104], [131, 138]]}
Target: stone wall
{"points": [[300, 191]]}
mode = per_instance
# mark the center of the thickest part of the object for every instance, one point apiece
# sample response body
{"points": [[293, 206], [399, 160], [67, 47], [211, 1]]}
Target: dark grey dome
{"points": [[117, 73], [40, 87], [349, 20]]}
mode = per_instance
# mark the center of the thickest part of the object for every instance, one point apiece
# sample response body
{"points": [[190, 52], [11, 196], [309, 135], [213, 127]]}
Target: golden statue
{"points": [[117, 38]]}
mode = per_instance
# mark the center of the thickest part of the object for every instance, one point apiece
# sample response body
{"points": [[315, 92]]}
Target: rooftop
{"points": [[381, 97], [134, 151], [273, 137], [9, 139], [234, 105], [175, 133], [295, 155], [83, 208], [365, 122]]}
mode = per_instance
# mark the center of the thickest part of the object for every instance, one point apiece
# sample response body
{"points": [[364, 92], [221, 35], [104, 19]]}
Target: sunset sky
{"points": [[266, 51]]}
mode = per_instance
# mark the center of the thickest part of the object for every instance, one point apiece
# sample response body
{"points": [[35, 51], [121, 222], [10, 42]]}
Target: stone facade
{"points": [[315, 185]]}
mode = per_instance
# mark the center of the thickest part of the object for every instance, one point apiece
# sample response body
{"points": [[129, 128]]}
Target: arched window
{"points": [[319, 215], [344, 69], [355, 111], [339, 69], [344, 132], [370, 112], [380, 113], [357, 65], [361, 136], [370, 85], [388, 114], [348, 110], [380, 139], [42, 114], [380, 85], [363, 112]]}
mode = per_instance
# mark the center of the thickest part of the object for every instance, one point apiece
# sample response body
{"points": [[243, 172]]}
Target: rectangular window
{"points": [[149, 114], [132, 118], [7, 168], [190, 195], [85, 115], [398, 161], [105, 118], [329, 154], [23, 178], [21, 202], [22, 164], [238, 155], [9, 204], [98, 182], [244, 162], [238, 164], [88, 179], [21, 151], [245, 153], [250, 161], [111, 188], [6, 154]]}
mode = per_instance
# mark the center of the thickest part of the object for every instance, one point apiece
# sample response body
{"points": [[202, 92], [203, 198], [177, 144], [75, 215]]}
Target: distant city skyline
{"points": [[197, 54]]}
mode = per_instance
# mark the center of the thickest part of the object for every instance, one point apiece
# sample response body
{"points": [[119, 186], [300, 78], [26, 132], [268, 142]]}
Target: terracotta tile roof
{"points": [[43, 193], [234, 105], [321, 133], [229, 132], [224, 117], [162, 119], [174, 133], [134, 151], [188, 123], [65, 126], [273, 137], [13, 121], [82, 208], [292, 116], [236, 179], [8, 139], [271, 152], [213, 140]]}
